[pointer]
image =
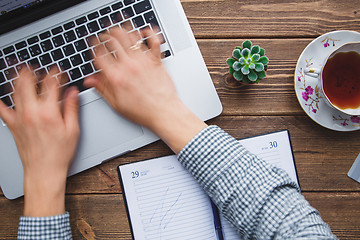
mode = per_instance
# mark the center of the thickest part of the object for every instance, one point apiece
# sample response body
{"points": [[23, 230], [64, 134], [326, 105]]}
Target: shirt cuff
{"points": [[54, 227]]}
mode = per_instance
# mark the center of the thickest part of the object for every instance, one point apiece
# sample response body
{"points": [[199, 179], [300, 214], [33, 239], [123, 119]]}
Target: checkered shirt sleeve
{"points": [[260, 200], [55, 227]]}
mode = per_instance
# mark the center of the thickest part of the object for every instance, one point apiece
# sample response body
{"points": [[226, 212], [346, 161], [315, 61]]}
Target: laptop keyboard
{"points": [[68, 48]]}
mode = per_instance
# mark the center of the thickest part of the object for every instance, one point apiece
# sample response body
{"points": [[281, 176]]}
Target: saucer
{"points": [[307, 88]]}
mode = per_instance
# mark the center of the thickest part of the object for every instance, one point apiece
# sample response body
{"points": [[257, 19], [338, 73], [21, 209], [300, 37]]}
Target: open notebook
{"points": [[164, 201]]}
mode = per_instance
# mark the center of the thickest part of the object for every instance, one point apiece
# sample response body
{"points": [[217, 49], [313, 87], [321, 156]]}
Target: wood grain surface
{"points": [[323, 157]]}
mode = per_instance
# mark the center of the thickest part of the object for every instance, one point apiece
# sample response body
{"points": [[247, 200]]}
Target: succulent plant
{"points": [[249, 63]]}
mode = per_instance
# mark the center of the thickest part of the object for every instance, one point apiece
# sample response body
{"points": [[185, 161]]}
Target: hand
{"points": [[137, 85], [46, 134]]}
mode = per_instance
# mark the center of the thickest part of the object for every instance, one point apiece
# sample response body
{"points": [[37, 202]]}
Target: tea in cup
{"points": [[340, 78]]}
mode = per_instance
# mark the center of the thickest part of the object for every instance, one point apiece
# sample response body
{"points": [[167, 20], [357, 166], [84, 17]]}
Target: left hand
{"points": [[46, 135]]}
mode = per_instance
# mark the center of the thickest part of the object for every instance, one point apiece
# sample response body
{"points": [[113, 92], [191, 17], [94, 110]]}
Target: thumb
{"points": [[71, 110], [6, 114]]}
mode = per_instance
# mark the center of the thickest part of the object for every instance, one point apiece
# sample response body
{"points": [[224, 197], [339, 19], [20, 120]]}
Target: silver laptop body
{"points": [[104, 133]]}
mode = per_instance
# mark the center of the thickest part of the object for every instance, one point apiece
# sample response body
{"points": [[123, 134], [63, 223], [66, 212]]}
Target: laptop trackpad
{"points": [[102, 128]]}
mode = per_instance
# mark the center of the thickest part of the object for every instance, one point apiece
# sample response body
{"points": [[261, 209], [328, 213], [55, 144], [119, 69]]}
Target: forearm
{"points": [[259, 200]]}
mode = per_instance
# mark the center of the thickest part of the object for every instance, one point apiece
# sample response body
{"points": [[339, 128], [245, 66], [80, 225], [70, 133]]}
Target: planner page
{"points": [[165, 202], [274, 148]]}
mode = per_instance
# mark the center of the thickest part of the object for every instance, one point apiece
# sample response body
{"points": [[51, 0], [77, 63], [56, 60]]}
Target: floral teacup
{"points": [[339, 79]]}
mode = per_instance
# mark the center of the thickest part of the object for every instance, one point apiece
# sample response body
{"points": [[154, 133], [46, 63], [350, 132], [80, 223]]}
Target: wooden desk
{"points": [[323, 157]]}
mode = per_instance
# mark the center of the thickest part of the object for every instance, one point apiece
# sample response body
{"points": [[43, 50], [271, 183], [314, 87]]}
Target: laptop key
{"points": [[93, 15], [2, 64], [80, 45], [69, 50], [81, 31], [70, 36], [87, 69], [45, 35], [35, 50], [45, 59], [57, 30], [20, 67], [53, 67], [79, 84], [138, 21], [142, 7], [23, 55], [65, 64], [117, 6], [76, 60], [7, 100], [34, 63], [33, 40], [151, 19], [20, 45], [90, 40], [128, 12], [69, 25], [9, 50], [58, 41], [40, 74], [46, 45], [75, 74], [93, 27], [87, 55], [104, 22], [10, 73], [5, 89], [116, 17], [105, 11], [128, 2], [57, 54], [2, 78], [81, 20], [165, 54], [11, 60]]}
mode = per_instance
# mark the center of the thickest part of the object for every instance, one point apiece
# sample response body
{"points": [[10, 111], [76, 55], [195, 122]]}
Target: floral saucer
{"points": [[307, 88]]}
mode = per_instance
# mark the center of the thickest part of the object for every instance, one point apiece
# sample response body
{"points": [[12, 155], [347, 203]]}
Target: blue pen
{"points": [[217, 222]]}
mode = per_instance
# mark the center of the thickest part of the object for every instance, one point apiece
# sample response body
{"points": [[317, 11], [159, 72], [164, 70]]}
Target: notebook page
{"points": [[165, 201], [274, 148]]}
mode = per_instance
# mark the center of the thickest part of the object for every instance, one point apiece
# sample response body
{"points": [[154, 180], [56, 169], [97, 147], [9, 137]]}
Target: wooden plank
{"points": [[340, 210], [274, 19], [274, 95], [103, 216]]}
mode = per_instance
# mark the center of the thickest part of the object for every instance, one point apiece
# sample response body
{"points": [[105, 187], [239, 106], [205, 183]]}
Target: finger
{"points": [[123, 38], [6, 114], [104, 60], [71, 110], [50, 86], [113, 45], [153, 42], [97, 82], [25, 88]]}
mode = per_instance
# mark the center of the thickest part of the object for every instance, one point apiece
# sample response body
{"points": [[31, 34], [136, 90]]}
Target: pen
{"points": [[217, 222]]}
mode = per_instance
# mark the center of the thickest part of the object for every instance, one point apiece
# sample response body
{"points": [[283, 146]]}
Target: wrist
{"points": [[176, 125], [44, 196]]}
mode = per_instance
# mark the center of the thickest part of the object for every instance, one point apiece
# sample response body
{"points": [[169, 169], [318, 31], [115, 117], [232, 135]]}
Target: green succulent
{"points": [[249, 63]]}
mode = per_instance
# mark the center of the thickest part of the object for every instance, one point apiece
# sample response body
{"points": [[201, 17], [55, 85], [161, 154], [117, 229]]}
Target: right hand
{"points": [[137, 85]]}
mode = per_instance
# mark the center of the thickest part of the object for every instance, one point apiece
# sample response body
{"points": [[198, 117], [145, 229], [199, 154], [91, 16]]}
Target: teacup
{"points": [[339, 78]]}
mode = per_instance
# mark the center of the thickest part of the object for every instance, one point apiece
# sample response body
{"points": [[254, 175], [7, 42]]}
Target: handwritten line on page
{"points": [[165, 202]]}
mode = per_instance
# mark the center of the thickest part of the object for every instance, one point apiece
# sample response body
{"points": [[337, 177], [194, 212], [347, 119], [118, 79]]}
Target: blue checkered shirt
{"points": [[50, 228], [261, 201]]}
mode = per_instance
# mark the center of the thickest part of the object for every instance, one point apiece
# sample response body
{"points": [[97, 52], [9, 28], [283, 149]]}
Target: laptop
{"points": [[49, 33]]}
